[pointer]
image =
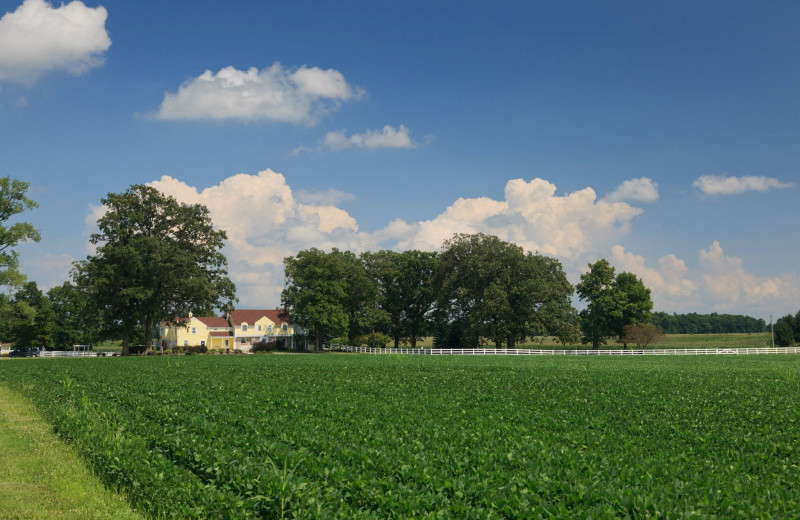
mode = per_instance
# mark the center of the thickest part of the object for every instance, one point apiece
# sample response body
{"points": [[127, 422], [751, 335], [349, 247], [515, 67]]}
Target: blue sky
{"points": [[660, 135]]}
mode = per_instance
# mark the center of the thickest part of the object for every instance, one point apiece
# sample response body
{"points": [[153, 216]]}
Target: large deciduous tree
{"points": [[406, 290], [77, 322], [13, 200], [315, 292], [489, 288], [612, 302], [156, 259]]}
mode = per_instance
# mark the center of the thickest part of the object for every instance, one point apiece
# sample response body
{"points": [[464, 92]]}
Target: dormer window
{"points": [[244, 327], [259, 328]]}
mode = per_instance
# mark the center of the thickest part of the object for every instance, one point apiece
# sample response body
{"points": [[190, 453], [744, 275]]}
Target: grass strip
{"points": [[41, 477]]}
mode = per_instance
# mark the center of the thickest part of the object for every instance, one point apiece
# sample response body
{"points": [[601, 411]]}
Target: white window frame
{"points": [[244, 327]]}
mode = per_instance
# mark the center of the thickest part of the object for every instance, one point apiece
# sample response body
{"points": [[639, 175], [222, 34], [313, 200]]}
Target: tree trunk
{"points": [[512, 342], [413, 340], [317, 339], [148, 334], [126, 345]]}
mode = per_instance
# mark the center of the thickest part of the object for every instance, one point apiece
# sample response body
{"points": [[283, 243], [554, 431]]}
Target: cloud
{"points": [[641, 190], [329, 197], [570, 226], [37, 37], [267, 221], [388, 137], [45, 268], [299, 96], [725, 185], [718, 283]]}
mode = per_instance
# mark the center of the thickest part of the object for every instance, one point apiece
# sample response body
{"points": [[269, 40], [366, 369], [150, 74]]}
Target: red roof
{"points": [[278, 317], [213, 321], [220, 334]]}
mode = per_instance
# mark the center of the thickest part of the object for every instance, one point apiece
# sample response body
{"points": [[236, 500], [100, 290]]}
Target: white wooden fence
{"points": [[582, 352], [69, 353]]}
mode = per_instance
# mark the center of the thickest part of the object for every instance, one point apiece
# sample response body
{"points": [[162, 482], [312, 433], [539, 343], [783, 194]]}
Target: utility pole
{"points": [[772, 330]]}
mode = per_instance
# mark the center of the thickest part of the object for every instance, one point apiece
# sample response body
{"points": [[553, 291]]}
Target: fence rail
{"points": [[69, 353], [554, 352]]}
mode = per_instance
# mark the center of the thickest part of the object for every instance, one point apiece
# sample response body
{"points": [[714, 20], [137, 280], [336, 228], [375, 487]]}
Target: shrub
{"points": [[264, 346]]}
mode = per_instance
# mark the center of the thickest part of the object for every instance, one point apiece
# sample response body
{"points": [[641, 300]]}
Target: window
{"points": [[244, 327], [269, 328], [285, 328], [186, 343], [244, 340], [226, 342], [259, 328], [202, 343], [194, 330]]}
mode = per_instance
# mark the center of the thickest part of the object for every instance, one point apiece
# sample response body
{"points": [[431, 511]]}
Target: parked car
{"points": [[20, 353]]}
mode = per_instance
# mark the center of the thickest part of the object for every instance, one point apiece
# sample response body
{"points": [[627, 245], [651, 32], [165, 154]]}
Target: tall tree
{"points": [[38, 327], [489, 288], [635, 303], [406, 290], [612, 302], [13, 200], [315, 291], [156, 259], [77, 323]]}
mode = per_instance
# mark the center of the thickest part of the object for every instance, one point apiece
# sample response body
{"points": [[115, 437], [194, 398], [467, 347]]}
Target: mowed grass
{"points": [[41, 477], [358, 436]]}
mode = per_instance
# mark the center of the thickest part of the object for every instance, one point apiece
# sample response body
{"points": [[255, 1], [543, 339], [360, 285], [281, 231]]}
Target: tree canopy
{"points": [[612, 302], [157, 259], [489, 288], [13, 200], [315, 292]]}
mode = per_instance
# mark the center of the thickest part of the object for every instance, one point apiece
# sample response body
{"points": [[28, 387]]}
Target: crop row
{"points": [[394, 437]]}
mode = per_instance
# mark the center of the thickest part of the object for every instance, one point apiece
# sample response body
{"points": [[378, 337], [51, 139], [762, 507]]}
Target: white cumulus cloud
{"points": [[641, 190], [728, 185], [276, 93], [38, 37], [266, 221], [387, 137], [717, 283]]}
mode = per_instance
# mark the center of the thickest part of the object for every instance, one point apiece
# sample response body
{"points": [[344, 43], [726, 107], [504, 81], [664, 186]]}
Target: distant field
{"points": [[359, 436]]}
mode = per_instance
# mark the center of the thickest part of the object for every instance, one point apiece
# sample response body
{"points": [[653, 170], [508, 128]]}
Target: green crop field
{"points": [[349, 436]]}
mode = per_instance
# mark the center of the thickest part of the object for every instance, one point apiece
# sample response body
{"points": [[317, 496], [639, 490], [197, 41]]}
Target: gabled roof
{"points": [[220, 334], [252, 316], [213, 321]]}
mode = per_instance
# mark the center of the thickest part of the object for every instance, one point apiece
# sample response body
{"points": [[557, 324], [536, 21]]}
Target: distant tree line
{"points": [[787, 330], [478, 290], [713, 323]]}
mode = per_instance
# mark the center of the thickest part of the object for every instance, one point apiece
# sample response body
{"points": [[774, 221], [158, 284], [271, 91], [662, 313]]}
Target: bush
{"points": [[264, 346], [192, 349]]}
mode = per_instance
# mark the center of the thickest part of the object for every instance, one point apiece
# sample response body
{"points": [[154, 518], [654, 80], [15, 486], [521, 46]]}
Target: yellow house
{"points": [[239, 330], [251, 326]]}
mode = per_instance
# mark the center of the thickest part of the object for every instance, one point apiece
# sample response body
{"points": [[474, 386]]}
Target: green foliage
{"points": [[612, 302], [352, 436], [406, 290], [77, 322], [13, 200], [693, 323], [156, 259], [488, 288], [315, 292], [785, 331]]}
